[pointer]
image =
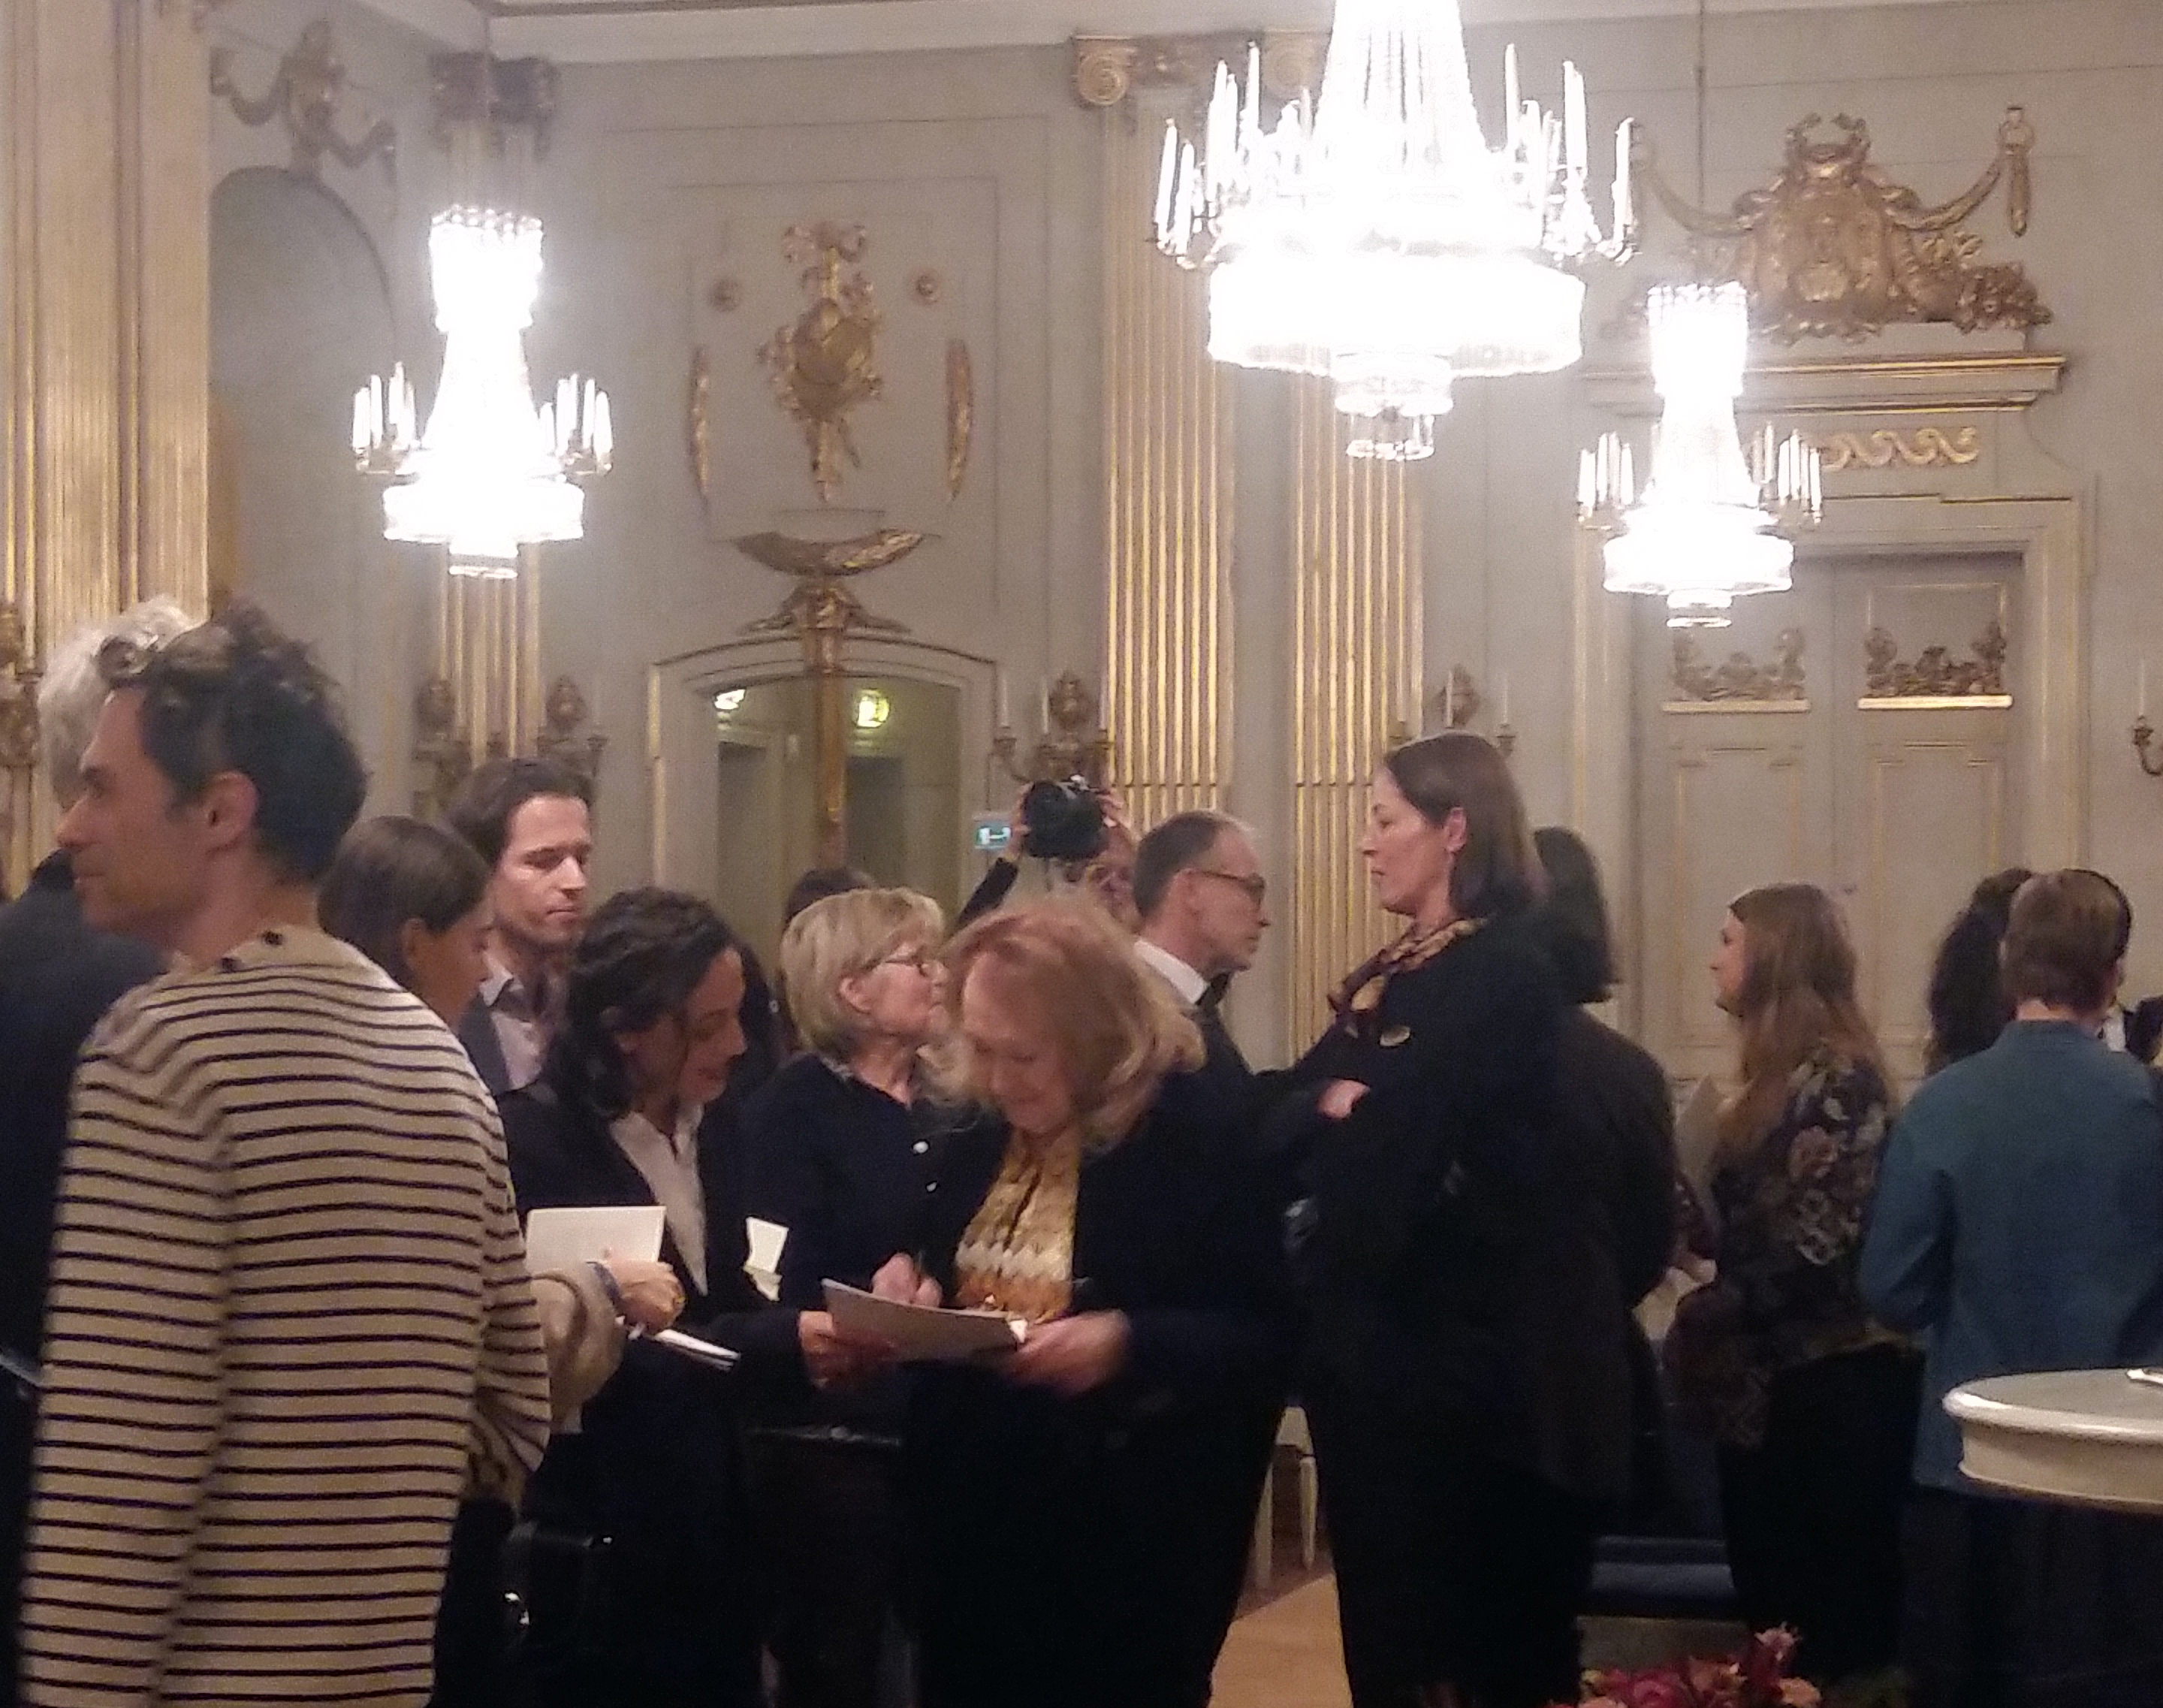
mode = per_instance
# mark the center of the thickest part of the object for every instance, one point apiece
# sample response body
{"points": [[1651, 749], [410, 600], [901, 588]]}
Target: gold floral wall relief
{"points": [[961, 414], [1926, 448], [699, 428], [1934, 679], [1740, 682], [1832, 248], [825, 363]]}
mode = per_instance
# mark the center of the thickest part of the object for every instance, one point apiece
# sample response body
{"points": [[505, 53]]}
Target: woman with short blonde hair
{"points": [[841, 1142], [1094, 1477]]}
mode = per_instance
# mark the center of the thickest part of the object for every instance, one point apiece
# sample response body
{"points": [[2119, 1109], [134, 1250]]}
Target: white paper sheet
{"points": [[920, 1333], [705, 1352], [565, 1238]]}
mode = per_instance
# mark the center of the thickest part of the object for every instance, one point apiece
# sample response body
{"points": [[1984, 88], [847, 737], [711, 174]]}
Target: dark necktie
{"points": [[1216, 1037]]}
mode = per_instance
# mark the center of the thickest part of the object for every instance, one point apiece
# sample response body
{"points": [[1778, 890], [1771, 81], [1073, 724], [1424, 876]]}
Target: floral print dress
{"points": [[1792, 1212]]}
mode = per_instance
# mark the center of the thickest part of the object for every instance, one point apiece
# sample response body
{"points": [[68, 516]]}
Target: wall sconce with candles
{"points": [[1460, 700], [2144, 732], [1072, 739]]}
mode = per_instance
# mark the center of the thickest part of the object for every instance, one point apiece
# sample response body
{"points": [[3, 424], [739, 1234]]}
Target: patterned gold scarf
{"points": [[1355, 1001], [1017, 1256]]}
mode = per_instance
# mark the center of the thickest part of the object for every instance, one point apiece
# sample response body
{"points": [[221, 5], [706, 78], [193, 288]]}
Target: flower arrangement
{"points": [[1757, 1678]]}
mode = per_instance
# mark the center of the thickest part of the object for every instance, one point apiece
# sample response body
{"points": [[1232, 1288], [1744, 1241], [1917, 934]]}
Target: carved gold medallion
{"points": [[826, 363]]}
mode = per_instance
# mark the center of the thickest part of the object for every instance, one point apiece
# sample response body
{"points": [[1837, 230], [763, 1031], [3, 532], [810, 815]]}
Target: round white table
{"points": [[2094, 1437]]}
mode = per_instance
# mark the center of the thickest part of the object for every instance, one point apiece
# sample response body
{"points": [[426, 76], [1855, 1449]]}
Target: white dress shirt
{"points": [[1186, 984], [521, 1033], [670, 1165]]}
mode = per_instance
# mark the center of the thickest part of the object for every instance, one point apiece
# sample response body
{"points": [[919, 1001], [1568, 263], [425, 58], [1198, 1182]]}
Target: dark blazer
{"points": [[1079, 1543], [477, 1032], [843, 1166], [1615, 1096], [656, 1465], [57, 979], [1448, 1238]]}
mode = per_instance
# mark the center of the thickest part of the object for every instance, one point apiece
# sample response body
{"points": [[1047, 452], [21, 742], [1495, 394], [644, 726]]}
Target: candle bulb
{"points": [[1587, 491], [375, 406], [1629, 479], [1512, 100], [2142, 709], [551, 435], [360, 423], [1625, 207], [1251, 117], [1449, 700], [999, 692], [603, 429], [1165, 171], [1572, 118], [1043, 706], [1506, 700]]}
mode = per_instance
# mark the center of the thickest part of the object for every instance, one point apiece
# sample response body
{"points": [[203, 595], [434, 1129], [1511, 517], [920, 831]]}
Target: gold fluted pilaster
{"points": [[104, 263], [1168, 506], [1358, 623]]}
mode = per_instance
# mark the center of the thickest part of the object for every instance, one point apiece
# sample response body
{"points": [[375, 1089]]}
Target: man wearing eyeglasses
{"points": [[1204, 905]]}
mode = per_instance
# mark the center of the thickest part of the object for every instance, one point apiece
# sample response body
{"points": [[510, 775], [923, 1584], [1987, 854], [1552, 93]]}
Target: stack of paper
{"points": [[922, 1333]]}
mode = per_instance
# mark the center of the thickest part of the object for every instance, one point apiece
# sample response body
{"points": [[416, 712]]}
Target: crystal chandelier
{"points": [[1710, 525], [1374, 239], [490, 473]]}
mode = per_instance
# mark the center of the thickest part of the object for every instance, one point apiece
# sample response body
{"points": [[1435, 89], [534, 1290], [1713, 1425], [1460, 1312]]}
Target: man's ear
{"points": [[226, 809]]}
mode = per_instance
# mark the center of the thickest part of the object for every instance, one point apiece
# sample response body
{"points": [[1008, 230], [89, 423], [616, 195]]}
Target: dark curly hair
{"points": [[643, 955], [1968, 1003], [238, 694]]}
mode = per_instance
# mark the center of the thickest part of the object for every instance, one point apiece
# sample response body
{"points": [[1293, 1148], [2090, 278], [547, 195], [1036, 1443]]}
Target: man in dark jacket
{"points": [[57, 978]]}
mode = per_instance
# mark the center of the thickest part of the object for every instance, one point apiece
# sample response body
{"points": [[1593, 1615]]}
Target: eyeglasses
{"points": [[922, 960], [1257, 888]]}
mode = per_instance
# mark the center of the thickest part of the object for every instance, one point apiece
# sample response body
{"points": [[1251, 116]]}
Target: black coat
{"points": [[656, 1465], [1615, 1097], [1450, 1244], [1080, 1544], [57, 979]]}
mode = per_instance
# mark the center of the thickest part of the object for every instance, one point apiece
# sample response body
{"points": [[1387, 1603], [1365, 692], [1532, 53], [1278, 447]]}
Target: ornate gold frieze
{"points": [[563, 736], [1832, 248], [698, 429], [826, 363], [306, 95], [1936, 679], [1740, 682], [1109, 68], [18, 696], [961, 414], [1926, 448]]}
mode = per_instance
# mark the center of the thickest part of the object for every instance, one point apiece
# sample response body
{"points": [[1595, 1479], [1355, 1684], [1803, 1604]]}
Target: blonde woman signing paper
{"points": [[1073, 1504]]}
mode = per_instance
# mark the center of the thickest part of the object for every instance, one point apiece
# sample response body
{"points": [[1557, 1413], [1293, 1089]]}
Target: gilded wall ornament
{"points": [[563, 715], [1832, 248], [926, 286], [820, 611], [1935, 674], [442, 749], [1109, 68], [498, 97], [726, 295], [18, 696], [1740, 678], [961, 414], [1074, 743], [825, 362], [1926, 448], [306, 95], [699, 427]]}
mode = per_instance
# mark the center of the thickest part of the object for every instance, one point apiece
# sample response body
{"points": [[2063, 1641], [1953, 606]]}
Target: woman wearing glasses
{"points": [[842, 1142]]}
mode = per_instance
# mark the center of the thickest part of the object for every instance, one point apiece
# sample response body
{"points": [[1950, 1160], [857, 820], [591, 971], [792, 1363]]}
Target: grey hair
{"points": [[71, 692]]}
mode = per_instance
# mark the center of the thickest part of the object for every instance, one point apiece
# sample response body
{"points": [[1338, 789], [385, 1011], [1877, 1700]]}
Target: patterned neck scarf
{"points": [[1017, 1256], [1357, 1000]]}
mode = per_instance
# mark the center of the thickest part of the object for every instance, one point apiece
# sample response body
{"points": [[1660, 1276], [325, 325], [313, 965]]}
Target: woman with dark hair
{"points": [[1619, 1113], [1968, 1004], [413, 897], [662, 1608], [1465, 1368], [1810, 1402]]}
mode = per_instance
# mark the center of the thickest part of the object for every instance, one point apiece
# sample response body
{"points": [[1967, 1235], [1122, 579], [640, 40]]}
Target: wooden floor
{"points": [[1284, 1654]]}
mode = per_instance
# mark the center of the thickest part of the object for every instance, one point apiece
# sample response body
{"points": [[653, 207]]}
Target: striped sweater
{"points": [[289, 1322]]}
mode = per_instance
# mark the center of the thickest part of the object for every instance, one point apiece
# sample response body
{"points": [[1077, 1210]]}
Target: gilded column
{"points": [[104, 263], [1357, 621], [1168, 486]]}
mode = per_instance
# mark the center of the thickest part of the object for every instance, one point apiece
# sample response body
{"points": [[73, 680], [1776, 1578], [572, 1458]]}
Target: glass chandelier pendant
{"points": [[1710, 525], [1375, 239], [490, 473]]}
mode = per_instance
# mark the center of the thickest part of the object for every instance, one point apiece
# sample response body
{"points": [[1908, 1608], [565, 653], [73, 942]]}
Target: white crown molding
{"points": [[597, 32], [455, 23]]}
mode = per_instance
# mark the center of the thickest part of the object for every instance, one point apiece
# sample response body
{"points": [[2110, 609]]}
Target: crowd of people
{"points": [[295, 1423]]}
